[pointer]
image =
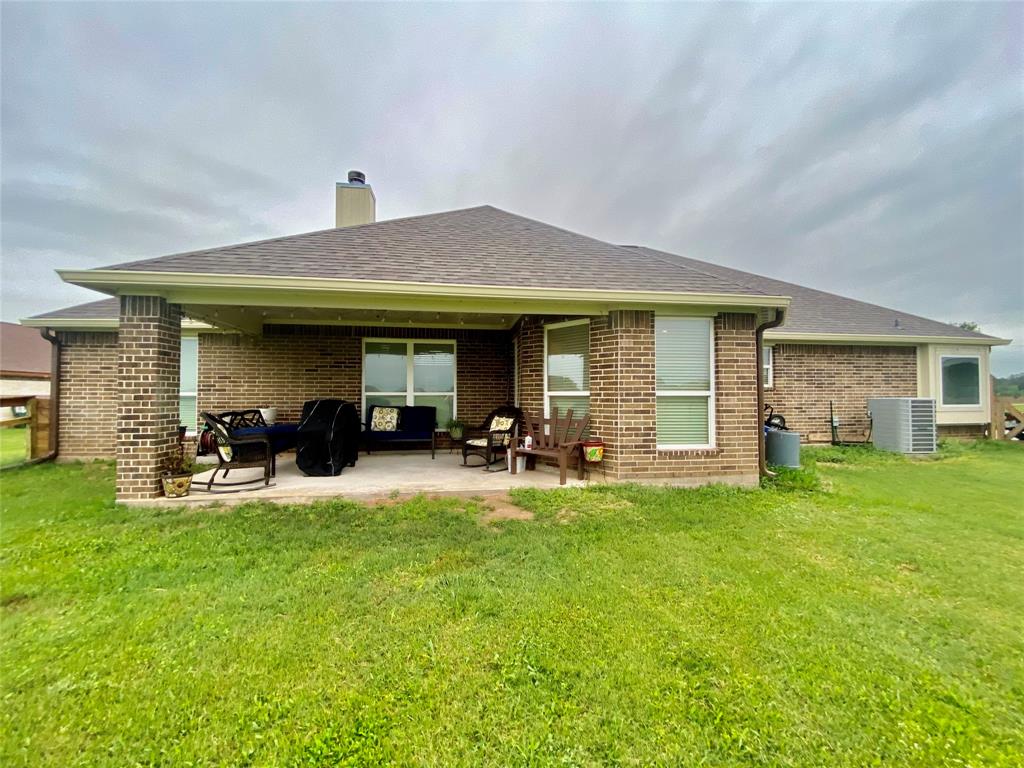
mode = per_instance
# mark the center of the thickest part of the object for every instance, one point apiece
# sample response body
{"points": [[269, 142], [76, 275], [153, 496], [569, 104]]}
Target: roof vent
{"points": [[356, 177]]}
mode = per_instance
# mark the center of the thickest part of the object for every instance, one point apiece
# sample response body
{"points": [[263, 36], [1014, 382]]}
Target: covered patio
{"points": [[375, 476]]}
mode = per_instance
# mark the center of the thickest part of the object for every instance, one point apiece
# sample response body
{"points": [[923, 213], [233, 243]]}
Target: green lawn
{"points": [[13, 445], [875, 620]]}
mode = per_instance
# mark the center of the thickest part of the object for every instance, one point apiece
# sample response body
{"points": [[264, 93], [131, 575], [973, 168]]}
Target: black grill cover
{"points": [[328, 437]]}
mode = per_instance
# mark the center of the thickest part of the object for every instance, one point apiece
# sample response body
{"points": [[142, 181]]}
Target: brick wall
{"points": [[807, 376], [290, 364], [630, 335], [88, 395], [623, 405], [530, 335], [148, 375]]}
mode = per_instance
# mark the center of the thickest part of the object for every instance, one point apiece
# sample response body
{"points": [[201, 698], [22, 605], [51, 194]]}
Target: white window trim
{"points": [[768, 371], [710, 394], [942, 386], [548, 394], [409, 393]]}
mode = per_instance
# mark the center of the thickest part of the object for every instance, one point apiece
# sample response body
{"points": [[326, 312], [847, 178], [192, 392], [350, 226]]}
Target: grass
{"points": [[866, 610], [12, 445]]}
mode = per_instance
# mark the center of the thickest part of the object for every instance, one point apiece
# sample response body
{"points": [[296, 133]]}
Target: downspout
{"points": [[51, 337], [759, 351]]}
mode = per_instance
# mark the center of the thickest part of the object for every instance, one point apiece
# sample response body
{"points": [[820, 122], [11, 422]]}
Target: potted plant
{"points": [[456, 428], [593, 451], [177, 477]]}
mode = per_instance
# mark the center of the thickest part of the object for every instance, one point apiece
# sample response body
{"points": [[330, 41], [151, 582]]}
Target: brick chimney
{"points": [[354, 202]]}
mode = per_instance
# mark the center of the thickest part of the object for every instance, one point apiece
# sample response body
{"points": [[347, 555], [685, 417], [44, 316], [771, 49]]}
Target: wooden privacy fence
{"points": [[1007, 418], [36, 423]]}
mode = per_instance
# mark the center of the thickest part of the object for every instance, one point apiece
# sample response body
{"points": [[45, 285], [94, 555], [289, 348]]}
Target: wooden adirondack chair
{"points": [[553, 438]]}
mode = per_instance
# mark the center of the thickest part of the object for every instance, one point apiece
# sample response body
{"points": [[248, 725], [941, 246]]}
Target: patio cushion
{"points": [[282, 436], [479, 442], [225, 452], [384, 419], [419, 419], [501, 424]]}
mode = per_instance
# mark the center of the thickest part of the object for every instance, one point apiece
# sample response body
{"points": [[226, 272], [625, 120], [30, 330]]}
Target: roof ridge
{"points": [[661, 255], [617, 246]]}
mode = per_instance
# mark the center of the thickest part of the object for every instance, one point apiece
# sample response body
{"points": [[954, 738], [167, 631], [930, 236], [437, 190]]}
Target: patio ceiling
{"points": [[250, 319]]}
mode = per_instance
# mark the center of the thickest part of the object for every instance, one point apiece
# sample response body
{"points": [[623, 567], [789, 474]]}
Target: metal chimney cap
{"points": [[356, 177]]}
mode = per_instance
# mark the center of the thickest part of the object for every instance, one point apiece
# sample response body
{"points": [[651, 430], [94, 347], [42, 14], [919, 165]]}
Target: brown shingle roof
{"points": [[473, 246], [104, 309], [814, 311], [488, 246]]}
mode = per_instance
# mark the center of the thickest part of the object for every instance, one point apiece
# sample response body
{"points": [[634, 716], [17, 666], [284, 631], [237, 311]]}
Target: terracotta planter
{"points": [[593, 451], [177, 486]]}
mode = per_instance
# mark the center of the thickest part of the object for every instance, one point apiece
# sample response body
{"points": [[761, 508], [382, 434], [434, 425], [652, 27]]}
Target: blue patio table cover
{"points": [[283, 437]]}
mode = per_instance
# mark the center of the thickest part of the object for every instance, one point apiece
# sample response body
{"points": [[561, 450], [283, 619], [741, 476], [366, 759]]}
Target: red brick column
{"points": [[149, 354]]}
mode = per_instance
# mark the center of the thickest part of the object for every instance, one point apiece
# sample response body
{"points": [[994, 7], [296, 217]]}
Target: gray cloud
{"points": [[873, 150]]}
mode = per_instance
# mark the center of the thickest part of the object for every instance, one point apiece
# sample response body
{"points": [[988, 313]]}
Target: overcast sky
{"points": [[871, 150]]}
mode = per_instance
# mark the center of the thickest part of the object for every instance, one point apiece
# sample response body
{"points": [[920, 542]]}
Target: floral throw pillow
{"points": [[502, 424], [384, 420], [225, 452]]}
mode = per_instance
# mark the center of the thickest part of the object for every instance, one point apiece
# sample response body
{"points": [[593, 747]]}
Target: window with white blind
{"points": [[684, 374], [767, 367], [188, 382], [567, 368], [400, 372]]}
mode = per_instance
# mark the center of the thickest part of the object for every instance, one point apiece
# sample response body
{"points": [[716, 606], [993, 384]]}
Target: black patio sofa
{"points": [[416, 423]]}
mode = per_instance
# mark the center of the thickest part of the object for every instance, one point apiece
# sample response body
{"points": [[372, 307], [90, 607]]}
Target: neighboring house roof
{"points": [[817, 312], [23, 352], [485, 246]]}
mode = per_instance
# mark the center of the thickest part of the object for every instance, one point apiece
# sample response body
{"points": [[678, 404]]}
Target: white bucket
{"points": [[520, 462]]}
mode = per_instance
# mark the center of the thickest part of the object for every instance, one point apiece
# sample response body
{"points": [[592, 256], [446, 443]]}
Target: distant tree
{"points": [[1010, 386], [968, 325]]}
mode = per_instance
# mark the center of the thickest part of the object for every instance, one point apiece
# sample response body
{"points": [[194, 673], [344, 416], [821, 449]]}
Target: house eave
{"points": [[879, 339], [96, 323], [228, 289]]}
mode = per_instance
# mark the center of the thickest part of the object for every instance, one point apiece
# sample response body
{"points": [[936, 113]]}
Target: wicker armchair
{"points": [[490, 440]]}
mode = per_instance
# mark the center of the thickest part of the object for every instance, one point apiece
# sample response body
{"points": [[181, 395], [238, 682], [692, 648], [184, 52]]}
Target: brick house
{"points": [[466, 310]]}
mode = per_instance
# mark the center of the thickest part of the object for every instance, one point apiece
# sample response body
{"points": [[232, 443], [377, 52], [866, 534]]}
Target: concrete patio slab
{"points": [[375, 476]]}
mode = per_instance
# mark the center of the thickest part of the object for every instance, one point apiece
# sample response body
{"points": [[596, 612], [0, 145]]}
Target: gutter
{"points": [[55, 348], [171, 284], [762, 465], [798, 337]]}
